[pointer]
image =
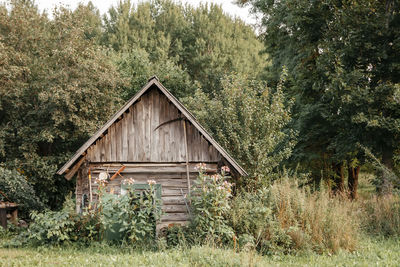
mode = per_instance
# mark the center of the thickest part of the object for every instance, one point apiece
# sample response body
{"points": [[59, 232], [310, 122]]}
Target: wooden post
{"points": [[3, 217], [187, 157], [90, 189]]}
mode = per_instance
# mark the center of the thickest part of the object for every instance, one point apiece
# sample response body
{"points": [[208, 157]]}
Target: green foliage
{"points": [[255, 225], [248, 119], [131, 217], [210, 205], [180, 236], [203, 41], [14, 187], [56, 87], [51, 227], [136, 67], [342, 60]]}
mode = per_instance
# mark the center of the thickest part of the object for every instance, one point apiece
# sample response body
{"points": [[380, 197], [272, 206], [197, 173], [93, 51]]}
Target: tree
{"points": [[203, 41], [56, 88], [136, 67], [248, 119], [343, 62]]}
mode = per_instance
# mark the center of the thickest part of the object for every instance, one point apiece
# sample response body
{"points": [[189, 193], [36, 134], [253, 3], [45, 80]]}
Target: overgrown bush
{"points": [[210, 204], [382, 215], [180, 236], [319, 220], [50, 227], [285, 218], [131, 217], [14, 187]]}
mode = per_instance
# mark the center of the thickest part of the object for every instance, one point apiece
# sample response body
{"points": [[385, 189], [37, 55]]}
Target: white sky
{"points": [[103, 5]]}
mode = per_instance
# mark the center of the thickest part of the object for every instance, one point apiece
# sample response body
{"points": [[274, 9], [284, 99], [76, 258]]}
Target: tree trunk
{"points": [[387, 161], [338, 177], [317, 181], [353, 181]]}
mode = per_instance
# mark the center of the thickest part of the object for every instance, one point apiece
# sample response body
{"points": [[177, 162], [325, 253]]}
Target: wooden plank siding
{"points": [[136, 138], [172, 178]]}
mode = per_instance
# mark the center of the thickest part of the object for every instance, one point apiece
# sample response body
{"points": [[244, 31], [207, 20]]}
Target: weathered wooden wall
{"points": [[149, 139], [136, 138], [172, 178]]}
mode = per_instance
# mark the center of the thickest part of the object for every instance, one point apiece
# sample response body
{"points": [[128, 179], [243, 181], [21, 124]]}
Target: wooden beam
{"points": [[74, 169], [156, 169], [117, 173]]}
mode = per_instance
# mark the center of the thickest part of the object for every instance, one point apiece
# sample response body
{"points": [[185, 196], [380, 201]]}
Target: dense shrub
{"points": [[131, 217], [50, 227], [317, 220], [180, 236], [382, 215], [14, 187], [210, 206]]}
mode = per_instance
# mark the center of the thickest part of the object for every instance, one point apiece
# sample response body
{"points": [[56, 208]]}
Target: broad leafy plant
{"points": [[132, 216], [210, 205], [52, 227]]}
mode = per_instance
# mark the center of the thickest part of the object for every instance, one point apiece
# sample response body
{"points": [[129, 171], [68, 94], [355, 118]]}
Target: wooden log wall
{"points": [[152, 131], [172, 178]]}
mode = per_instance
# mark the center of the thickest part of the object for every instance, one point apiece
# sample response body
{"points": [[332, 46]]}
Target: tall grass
{"points": [[382, 215], [318, 220], [284, 218]]}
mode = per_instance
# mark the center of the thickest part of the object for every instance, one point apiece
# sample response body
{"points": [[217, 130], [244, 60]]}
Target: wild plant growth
{"points": [[285, 218], [131, 218], [282, 218], [382, 215], [210, 204]]}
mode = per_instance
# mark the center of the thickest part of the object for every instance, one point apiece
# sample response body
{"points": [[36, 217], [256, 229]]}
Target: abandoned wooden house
{"points": [[153, 136]]}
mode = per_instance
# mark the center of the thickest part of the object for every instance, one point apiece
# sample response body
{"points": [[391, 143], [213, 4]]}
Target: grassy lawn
{"points": [[370, 253]]}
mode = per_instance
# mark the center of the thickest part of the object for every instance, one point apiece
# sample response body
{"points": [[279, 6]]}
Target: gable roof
{"points": [[152, 81]]}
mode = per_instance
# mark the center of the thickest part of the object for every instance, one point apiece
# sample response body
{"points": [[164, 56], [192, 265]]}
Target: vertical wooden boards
{"points": [[155, 133], [102, 150], [124, 139], [146, 138], [107, 147], [78, 191], [131, 134], [140, 127], [117, 139], [152, 131], [113, 143], [172, 136]]}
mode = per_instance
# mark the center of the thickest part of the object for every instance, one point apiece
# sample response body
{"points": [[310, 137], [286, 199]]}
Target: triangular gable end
{"points": [[77, 159]]}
